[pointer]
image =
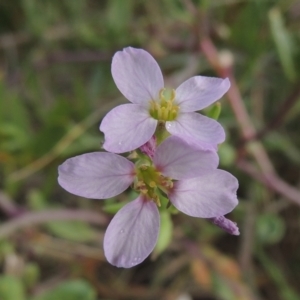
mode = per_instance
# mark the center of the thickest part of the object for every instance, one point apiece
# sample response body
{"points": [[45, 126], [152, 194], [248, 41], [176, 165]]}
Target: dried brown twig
{"points": [[41, 217], [8, 206], [266, 174]]}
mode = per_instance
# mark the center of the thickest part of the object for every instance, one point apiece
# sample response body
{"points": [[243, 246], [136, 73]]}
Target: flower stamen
{"points": [[164, 109], [149, 181]]}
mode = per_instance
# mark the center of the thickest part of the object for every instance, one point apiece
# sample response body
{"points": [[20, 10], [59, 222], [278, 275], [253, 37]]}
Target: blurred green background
{"points": [[56, 86]]}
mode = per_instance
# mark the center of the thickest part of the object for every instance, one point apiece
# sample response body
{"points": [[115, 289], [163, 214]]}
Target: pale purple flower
{"points": [[133, 232], [139, 78]]}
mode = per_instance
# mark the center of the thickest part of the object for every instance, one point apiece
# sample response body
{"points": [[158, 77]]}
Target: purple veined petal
{"points": [[201, 146], [208, 196], [178, 160], [199, 92], [137, 75], [126, 128], [197, 128], [132, 234], [96, 175]]}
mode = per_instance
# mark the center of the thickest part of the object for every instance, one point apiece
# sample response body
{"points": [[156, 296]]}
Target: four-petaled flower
{"points": [[186, 175], [139, 78]]}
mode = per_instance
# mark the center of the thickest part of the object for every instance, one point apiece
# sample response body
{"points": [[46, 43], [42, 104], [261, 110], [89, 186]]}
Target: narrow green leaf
{"points": [[72, 230], [165, 235], [284, 289], [222, 288], [227, 154], [70, 290], [113, 207], [11, 288], [283, 43], [31, 275], [215, 111]]}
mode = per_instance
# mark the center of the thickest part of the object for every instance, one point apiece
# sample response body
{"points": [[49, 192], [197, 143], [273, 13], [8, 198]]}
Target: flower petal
{"points": [[197, 129], [150, 147], [178, 160], [96, 175], [199, 92], [126, 128], [208, 196], [226, 224], [132, 233], [201, 146], [137, 75]]}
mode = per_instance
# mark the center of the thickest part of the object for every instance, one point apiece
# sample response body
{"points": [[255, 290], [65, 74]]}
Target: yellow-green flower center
{"points": [[164, 109], [149, 181]]}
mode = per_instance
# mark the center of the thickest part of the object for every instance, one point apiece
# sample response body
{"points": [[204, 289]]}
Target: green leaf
{"points": [[227, 154], [72, 230], [165, 235], [84, 143], [284, 288], [13, 111], [31, 274], [284, 144], [283, 43], [222, 288], [41, 145], [119, 14], [36, 199], [6, 248], [12, 137], [113, 207], [70, 290], [215, 111], [11, 288], [270, 228]]}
